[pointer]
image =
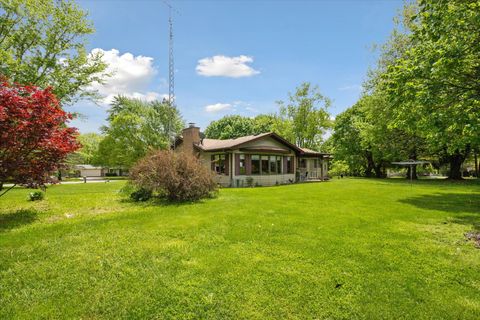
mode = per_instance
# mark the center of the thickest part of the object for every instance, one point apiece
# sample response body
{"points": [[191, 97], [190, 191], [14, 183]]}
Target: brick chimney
{"points": [[191, 135]]}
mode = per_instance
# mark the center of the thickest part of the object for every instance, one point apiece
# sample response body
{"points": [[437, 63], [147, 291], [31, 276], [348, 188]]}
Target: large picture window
{"points": [[218, 163], [262, 164], [255, 164]]}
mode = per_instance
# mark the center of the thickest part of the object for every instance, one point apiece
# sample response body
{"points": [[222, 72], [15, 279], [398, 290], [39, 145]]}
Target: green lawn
{"points": [[349, 248]]}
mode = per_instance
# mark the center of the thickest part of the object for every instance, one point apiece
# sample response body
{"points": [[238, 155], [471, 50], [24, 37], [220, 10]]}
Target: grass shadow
{"points": [[453, 203], [17, 219], [433, 182], [447, 202], [162, 202]]}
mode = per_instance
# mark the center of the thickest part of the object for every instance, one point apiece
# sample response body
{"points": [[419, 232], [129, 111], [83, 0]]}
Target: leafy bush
{"points": [[176, 176], [36, 195], [339, 167], [141, 195]]}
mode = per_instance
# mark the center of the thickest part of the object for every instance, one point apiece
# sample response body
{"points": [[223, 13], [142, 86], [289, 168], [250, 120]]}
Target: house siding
{"points": [[264, 146]]}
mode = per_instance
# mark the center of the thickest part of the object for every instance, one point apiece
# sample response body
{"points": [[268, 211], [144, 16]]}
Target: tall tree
{"points": [[136, 127], [435, 84], [230, 127], [42, 42], [34, 140], [306, 115], [348, 144], [88, 153]]}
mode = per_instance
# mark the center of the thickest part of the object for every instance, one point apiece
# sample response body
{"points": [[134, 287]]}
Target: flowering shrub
{"points": [[177, 177]]}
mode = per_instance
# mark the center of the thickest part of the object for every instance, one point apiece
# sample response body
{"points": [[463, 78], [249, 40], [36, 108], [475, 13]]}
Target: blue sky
{"points": [[235, 57]]}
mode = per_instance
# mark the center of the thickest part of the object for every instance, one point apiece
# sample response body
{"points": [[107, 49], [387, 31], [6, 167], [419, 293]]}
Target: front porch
{"points": [[312, 169]]}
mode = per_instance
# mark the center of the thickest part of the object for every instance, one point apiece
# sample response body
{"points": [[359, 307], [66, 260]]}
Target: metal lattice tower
{"points": [[171, 64]]}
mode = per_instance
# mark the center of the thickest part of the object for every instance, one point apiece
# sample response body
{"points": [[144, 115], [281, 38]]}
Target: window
{"points": [[279, 164], [303, 163], [264, 164], [273, 164], [289, 164], [243, 169], [255, 164], [218, 161]]}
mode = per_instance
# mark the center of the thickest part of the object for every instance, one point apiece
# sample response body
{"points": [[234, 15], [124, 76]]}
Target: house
{"points": [[87, 170], [265, 159]]}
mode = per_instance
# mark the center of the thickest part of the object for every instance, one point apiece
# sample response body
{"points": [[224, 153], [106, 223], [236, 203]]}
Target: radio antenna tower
{"points": [[171, 62]]}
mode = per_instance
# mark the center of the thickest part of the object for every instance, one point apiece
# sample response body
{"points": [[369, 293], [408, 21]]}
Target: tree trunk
{"points": [[476, 164], [456, 161], [370, 164], [1, 185], [378, 171]]}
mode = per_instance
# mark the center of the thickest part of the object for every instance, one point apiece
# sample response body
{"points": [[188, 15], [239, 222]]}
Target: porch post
{"points": [[321, 169]]}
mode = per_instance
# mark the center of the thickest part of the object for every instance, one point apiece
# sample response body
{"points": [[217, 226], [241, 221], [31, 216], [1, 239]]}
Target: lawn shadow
{"points": [[451, 202], [447, 202], [432, 182], [17, 219], [162, 202]]}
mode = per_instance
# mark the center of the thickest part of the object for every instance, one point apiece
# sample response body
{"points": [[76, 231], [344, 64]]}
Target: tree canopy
{"points": [[42, 43], [305, 117], [34, 140], [423, 97], [136, 127]]}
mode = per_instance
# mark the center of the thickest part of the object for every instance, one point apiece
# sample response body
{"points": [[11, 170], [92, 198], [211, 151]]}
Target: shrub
{"points": [[176, 176], [141, 194], [36, 195]]}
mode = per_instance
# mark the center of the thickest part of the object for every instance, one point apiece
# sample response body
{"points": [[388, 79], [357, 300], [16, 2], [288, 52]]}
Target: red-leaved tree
{"points": [[34, 137]]}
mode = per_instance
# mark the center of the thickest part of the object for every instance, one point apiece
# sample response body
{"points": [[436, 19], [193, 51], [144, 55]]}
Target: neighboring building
{"points": [[264, 159], [89, 171]]}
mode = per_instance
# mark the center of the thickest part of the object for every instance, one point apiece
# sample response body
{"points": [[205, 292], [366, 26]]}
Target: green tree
{"points": [[264, 123], [305, 118], [434, 85], [42, 42], [88, 152], [136, 127], [230, 127], [348, 144]]}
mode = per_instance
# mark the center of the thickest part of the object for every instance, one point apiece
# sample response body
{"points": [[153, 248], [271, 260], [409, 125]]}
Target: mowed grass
{"points": [[344, 249]]}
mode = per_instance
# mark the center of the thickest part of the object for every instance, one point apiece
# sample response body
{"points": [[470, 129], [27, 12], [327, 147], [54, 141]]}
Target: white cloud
{"points": [[217, 107], [130, 76], [223, 66]]}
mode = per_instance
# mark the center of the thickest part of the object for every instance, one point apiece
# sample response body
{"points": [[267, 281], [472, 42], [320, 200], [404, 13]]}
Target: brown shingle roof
{"points": [[215, 144]]}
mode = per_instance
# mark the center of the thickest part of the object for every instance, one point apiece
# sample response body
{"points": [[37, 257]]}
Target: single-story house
{"points": [[87, 170], [264, 159]]}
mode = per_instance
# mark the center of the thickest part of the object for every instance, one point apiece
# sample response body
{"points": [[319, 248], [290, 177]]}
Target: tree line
{"points": [[422, 100]]}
